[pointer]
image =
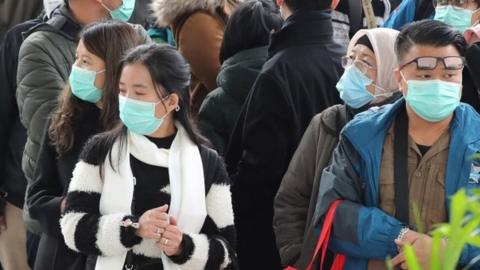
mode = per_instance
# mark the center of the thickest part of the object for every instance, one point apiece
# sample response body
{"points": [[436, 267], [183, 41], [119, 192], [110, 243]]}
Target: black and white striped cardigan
{"points": [[85, 230]]}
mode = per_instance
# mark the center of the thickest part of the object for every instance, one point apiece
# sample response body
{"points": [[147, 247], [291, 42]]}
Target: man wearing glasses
{"points": [[414, 153]]}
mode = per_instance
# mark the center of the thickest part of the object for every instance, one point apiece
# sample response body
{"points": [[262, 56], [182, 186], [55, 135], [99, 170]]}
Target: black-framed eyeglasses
{"points": [[431, 62]]}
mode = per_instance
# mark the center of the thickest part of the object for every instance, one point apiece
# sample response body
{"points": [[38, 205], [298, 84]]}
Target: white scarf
{"points": [[187, 185]]}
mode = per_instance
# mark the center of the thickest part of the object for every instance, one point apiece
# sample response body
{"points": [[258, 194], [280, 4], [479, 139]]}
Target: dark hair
{"points": [[96, 38], [249, 27], [296, 5], [170, 74], [428, 32]]}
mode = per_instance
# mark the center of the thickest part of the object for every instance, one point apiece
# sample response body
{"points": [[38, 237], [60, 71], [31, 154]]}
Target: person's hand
{"points": [[171, 241], [62, 205], [409, 238], [422, 247], [153, 223]]}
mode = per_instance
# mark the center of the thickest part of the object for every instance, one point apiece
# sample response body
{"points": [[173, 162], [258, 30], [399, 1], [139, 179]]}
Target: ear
{"points": [[172, 102], [400, 81], [280, 2], [476, 17]]}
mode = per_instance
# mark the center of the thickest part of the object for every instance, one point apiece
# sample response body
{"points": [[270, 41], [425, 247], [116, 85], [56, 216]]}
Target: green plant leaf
{"points": [[411, 258], [475, 156], [418, 218], [435, 259], [462, 228], [388, 263], [458, 207], [474, 240], [443, 229]]}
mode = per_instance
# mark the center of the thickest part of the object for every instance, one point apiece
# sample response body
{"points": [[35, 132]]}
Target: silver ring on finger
{"points": [[166, 242]]}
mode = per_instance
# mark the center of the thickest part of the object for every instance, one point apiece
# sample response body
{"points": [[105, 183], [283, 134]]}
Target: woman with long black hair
{"points": [[149, 194], [87, 106]]}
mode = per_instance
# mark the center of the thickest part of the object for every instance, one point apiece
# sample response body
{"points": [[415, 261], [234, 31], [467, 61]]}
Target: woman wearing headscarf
{"points": [[368, 81]]}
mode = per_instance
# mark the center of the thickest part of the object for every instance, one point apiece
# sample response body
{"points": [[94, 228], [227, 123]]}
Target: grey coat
{"points": [[296, 199]]}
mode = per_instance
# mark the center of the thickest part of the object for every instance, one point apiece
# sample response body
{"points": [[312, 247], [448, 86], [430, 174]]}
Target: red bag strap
{"points": [[322, 243], [339, 262], [335, 4]]}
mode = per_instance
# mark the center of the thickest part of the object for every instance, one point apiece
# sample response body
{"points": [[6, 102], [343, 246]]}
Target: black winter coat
{"points": [[473, 62], [297, 82], [12, 134], [220, 109], [470, 92], [51, 180]]}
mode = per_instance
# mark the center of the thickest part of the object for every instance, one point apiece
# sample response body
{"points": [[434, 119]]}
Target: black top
{"points": [[471, 77], [13, 134], [152, 190], [49, 186], [296, 83], [423, 149]]}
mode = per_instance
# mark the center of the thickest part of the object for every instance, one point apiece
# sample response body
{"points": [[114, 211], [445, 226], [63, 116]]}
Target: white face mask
{"points": [[50, 5]]}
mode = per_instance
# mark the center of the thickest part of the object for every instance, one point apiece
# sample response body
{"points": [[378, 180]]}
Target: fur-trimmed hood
{"points": [[166, 11]]}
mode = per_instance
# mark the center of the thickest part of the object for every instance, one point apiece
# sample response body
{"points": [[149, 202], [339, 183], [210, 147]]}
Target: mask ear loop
{"points": [[105, 7], [379, 91], [177, 108]]}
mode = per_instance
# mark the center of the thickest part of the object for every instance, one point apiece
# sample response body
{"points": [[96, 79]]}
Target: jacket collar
{"points": [[239, 72], [378, 121], [246, 55], [304, 27], [168, 11], [60, 22]]}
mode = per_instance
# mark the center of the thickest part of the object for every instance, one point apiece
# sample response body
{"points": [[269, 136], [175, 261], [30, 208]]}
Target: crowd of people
{"points": [[216, 134]]}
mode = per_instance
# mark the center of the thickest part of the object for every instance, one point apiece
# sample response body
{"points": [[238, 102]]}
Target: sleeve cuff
{"points": [[128, 235], [187, 250]]}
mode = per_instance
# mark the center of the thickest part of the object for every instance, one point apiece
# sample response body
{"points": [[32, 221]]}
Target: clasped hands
{"points": [[422, 246], [157, 225]]}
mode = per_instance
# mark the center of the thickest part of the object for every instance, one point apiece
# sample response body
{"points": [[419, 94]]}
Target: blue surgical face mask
{"points": [[458, 18], [353, 88], [139, 116], [123, 12], [82, 83], [433, 100]]}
